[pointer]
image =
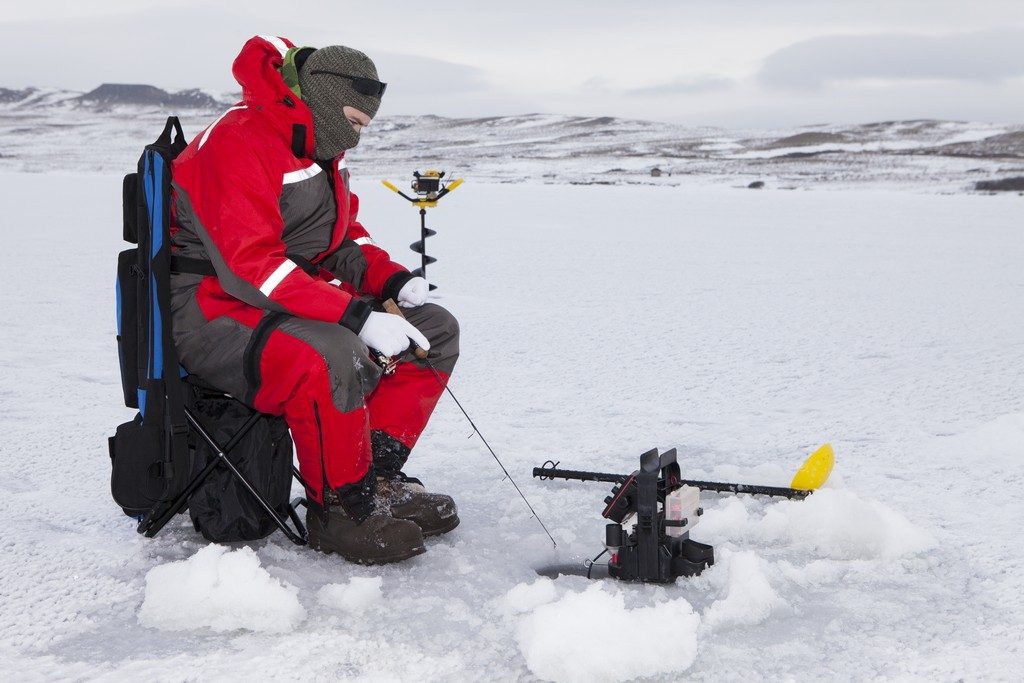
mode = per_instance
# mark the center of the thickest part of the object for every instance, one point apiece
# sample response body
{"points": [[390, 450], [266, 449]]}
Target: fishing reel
{"points": [[662, 512]]}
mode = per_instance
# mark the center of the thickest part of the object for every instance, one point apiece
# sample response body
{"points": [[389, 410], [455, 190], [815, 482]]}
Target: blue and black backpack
{"points": [[150, 453], [189, 444]]}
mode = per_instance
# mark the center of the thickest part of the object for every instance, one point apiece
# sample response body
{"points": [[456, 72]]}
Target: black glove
{"points": [[358, 498]]}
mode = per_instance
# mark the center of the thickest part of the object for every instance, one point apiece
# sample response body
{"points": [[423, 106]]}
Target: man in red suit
{"points": [[282, 303]]}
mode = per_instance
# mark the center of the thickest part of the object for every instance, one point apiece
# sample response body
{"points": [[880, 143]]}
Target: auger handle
{"points": [[450, 187], [391, 307], [391, 186]]}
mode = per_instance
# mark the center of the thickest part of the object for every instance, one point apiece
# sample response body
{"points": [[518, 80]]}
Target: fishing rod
{"points": [[391, 307]]}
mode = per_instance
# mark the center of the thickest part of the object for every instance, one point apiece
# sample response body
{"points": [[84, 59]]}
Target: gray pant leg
{"points": [[442, 330]]}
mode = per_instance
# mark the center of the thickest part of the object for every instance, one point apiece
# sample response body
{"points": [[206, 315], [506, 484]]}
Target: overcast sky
{"points": [[749, 63]]}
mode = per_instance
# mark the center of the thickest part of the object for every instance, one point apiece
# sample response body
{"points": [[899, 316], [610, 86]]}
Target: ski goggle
{"points": [[362, 85]]}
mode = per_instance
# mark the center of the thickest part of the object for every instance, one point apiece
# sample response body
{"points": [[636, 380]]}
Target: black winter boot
{"points": [[358, 526], [434, 513]]}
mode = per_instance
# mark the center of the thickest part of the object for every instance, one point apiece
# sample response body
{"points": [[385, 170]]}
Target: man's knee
{"points": [[336, 351], [442, 329]]}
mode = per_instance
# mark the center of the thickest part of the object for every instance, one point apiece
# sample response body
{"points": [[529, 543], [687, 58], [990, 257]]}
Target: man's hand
{"points": [[413, 293], [391, 334]]}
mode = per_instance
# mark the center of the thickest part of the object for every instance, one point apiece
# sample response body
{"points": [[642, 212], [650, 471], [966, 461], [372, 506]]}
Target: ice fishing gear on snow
{"points": [[391, 307], [166, 456], [658, 548], [665, 507], [812, 475], [815, 471], [429, 190]]}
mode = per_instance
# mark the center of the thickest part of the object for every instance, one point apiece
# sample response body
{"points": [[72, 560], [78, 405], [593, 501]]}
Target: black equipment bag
{"points": [[149, 454], [222, 509]]}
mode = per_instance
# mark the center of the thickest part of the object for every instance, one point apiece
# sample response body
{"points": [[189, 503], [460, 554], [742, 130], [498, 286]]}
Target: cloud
{"points": [[419, 74], [661, 60], [982, 56], [685, 86]]}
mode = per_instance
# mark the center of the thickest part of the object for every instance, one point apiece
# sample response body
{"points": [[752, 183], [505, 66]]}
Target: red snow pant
{"points": [[320, 377]]}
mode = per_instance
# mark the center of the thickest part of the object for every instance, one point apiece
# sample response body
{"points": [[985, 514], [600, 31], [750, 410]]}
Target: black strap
{"points": [[198, 266], [253, 353], [174, 144], [305, 264], [175, 424], [172, 125], [299, 140], [192, 266]]}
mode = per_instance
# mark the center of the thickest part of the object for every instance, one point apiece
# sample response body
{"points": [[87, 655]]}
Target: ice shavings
{"points": [[832, 523], [527, 596], [747, 597], [841, 525], [358, 594], [220, 589], [582, 637]]}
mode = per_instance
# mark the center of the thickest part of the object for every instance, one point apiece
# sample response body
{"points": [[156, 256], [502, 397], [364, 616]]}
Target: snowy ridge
{"points": [[103, 130]]}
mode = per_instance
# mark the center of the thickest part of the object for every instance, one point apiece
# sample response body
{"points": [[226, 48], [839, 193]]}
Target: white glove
{"points": [[390, 334], [413, 293]]}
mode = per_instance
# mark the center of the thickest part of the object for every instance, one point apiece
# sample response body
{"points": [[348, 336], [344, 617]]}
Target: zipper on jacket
{"points": [[323, 466]]}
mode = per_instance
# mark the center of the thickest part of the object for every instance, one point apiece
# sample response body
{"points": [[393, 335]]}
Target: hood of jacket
{"points": [[257, 70]]}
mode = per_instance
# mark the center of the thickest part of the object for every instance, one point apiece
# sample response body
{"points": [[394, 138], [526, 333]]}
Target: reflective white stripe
{"points": [[342, 164], [276, 42], [301, 174], [206, 133], [275, 278], [363, 240], [336, 282]]}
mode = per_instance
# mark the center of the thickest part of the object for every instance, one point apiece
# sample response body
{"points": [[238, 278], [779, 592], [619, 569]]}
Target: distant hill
{"points": [[114, 95], [8, 96]]}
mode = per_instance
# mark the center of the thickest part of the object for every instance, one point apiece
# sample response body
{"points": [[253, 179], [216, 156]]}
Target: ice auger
{"points": [[429, 191]]}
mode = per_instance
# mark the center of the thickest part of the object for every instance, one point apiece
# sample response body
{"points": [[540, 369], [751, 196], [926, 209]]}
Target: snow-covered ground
{"points": [[742, 327]]}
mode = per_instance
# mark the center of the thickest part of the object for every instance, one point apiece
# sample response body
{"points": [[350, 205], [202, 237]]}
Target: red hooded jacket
{"points": [[249, 198]]}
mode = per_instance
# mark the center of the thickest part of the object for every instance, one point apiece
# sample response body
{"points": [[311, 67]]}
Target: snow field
{"points": [[359, 593], [744, 328]]}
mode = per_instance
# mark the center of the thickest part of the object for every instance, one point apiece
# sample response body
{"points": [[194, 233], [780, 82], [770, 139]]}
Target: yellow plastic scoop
{"points": [[815, 470]]}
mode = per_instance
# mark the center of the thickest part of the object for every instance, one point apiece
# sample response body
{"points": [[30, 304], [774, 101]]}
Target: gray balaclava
{"points": [[326, 94]]}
